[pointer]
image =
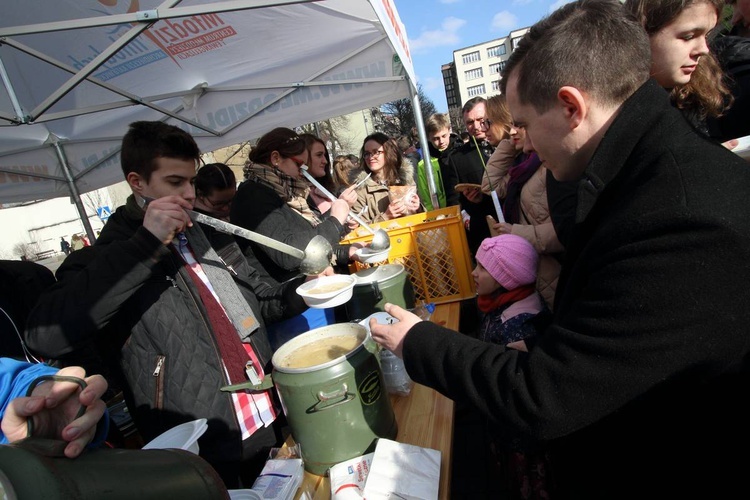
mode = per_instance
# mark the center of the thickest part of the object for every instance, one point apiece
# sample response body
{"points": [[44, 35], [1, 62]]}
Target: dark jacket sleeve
{"points": [[260, 209], [624, 337], [93, 284], [277, 300]]}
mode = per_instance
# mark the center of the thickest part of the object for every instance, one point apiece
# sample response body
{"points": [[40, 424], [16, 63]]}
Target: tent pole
{"points": [[419, 121], [74, 194], [11, 92]]}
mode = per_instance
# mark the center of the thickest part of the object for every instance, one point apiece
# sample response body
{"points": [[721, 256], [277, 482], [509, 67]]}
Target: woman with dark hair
{"points": [[319, 167], [382, 158], [273, 201], [681, 61], [215, 187]]}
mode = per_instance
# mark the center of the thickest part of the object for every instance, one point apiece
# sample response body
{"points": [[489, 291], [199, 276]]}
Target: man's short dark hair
{"points": [[471, 103], [146, 141], [595, 46]]}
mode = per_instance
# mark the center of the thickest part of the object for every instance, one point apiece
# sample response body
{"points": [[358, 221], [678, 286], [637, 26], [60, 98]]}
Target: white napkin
{"points": [[403, 471]]}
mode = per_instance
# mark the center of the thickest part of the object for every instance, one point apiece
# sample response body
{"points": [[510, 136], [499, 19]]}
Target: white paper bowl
{"points": [[371, 257], [183, 437], [324, 300]]}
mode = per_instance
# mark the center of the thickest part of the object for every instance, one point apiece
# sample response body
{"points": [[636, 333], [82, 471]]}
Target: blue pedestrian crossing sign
{"points": [[103, 213]]}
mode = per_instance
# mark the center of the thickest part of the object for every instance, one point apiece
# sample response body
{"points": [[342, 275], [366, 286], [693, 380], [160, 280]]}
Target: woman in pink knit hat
{"points": [[505, 279]]}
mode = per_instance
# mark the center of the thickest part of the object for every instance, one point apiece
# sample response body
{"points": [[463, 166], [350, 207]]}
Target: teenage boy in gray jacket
{"points": [[172, 323]]}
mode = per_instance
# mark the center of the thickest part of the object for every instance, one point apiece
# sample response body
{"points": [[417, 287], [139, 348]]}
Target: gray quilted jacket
{"points": [[128, 298]]}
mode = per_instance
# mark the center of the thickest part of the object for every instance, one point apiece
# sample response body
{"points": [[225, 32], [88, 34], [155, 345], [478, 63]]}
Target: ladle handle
{"points": [[226, 227], [331, 197]]}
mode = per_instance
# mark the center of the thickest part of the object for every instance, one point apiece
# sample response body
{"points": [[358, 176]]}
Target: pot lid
{"points": [[378, 274]]}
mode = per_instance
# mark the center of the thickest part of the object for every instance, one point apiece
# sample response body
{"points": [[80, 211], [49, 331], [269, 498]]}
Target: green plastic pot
{"points": [[377, 285], [336, 410]]}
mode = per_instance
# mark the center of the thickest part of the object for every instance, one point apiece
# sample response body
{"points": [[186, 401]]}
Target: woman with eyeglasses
{"points": [[273, 201], [379, 198], [215, 187]]}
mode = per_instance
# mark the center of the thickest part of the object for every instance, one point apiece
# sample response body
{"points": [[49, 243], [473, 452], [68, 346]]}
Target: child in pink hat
{"points": [[505, 279]]}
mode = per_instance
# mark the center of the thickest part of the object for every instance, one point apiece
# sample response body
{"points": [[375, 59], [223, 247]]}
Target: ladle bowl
{"points": [[318, 254]]}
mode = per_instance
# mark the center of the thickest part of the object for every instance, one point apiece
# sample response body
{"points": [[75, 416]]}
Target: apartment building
{"points": [[475, 70]]}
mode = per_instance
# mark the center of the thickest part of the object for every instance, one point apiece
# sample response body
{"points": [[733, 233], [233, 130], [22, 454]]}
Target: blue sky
{"points": [[436, 28]]}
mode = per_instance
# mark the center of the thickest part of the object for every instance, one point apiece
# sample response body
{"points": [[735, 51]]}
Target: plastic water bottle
{"points": [[423, 310], [397, 381]]}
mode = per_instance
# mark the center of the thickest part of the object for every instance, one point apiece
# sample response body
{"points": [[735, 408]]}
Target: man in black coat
{"points": [[638, 385], [465, 164], [172, 317]]}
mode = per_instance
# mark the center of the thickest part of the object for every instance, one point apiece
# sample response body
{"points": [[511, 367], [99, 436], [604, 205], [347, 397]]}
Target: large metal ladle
{"points": [[315, 258], [380, 239]]}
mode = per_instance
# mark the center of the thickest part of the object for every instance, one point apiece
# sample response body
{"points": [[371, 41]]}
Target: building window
{"points": [[497, 50], [471, 57], [497, 67], [475, 91], [514, 42], [496, 85], [473, 74]]}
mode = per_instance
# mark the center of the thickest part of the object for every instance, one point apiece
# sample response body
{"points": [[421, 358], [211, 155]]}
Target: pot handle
{"points": [[265, 384], [376, 291], [326, 397]]}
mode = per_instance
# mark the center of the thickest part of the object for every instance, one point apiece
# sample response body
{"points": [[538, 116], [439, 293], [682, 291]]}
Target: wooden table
{"points": [[425, 418]]}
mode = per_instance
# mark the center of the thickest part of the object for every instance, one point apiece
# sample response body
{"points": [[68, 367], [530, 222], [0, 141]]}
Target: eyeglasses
{"points": [[373, 154], [486, 123]]}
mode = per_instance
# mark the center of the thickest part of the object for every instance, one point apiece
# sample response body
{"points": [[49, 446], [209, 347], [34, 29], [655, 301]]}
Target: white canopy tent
{"points": [[75, 73]]}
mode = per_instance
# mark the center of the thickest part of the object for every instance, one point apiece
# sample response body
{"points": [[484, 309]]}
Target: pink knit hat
{"points": [[510, 259]]}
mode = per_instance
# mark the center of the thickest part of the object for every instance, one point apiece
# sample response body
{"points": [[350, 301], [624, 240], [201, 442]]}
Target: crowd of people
{"points": [[607, 223]]}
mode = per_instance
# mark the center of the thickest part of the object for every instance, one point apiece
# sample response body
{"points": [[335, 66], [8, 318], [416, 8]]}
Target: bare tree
{"points": [[26, 249], [457, 120], [399, 115], [330, 131], [95, 199]]}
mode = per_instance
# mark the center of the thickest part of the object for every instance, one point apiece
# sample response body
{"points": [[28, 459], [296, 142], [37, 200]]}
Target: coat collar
{"points": [[637, 116]]}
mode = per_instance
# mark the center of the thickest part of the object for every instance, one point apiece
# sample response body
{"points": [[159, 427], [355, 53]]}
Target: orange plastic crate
{"points": [[433, 251]]}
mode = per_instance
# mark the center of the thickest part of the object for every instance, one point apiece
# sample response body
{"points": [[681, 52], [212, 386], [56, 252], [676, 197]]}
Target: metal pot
{"points": [[336, 409], [377, 285]]}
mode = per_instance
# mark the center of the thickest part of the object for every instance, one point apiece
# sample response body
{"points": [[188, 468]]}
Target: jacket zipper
{"points": [[158, 373]]}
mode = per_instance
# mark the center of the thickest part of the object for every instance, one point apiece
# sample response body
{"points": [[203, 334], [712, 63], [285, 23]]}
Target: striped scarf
{"points": [[293, 191]]}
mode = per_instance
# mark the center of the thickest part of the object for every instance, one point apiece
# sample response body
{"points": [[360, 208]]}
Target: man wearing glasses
{"points": [[465, 165]]}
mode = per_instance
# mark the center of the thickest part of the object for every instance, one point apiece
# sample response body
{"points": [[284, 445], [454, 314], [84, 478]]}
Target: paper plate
{"points": [[182, 437], [314, 294], [381, 317], [465, 186], [371, 257]]}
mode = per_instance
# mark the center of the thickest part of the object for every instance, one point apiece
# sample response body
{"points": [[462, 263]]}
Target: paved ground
{"points": [[52, 263]]}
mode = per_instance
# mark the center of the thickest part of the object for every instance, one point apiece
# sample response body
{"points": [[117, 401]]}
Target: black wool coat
{"points": [[639, 386]]}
